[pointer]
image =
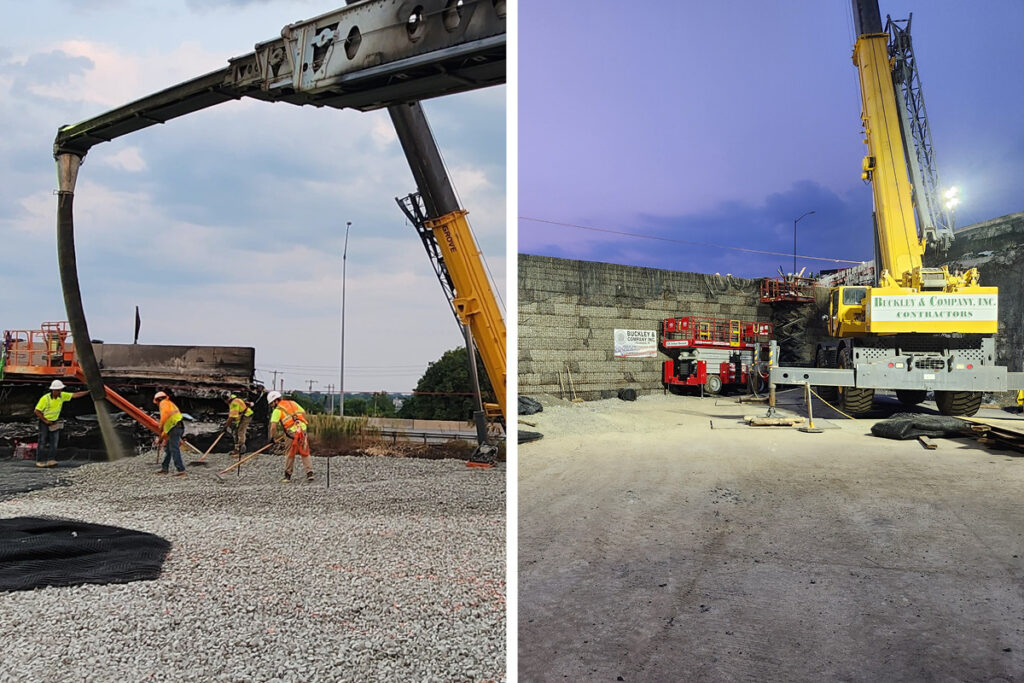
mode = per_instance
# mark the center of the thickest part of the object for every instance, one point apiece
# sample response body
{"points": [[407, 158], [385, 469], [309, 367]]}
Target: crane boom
{"points": [[900, 249]]}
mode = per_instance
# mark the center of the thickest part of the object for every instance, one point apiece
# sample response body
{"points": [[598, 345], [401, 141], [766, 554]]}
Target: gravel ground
{"points": [[397, 571], [661, 541]]}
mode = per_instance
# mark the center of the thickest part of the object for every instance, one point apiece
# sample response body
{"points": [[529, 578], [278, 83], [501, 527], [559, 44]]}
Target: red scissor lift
{"points": [[714, 353]]}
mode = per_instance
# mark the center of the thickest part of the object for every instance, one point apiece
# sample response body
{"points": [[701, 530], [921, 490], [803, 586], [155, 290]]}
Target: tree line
{"points": [[444, 392]]}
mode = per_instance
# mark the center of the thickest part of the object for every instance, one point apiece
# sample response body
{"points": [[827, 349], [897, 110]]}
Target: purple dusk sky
{"points": [[722, 122]]}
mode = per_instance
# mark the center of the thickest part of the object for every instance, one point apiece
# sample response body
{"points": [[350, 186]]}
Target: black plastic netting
{"points": [[38, 551], [910, 426]]}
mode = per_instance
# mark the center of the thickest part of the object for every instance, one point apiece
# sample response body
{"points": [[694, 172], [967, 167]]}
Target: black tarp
{"points": [[529, 406], [911, 425], [527, 437]]}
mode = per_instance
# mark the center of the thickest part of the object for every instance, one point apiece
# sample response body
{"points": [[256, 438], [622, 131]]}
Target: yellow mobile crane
{"points": [[918, 328]]}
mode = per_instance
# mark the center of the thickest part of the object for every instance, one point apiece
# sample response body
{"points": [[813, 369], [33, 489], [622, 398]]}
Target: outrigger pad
{"points": [[37, 551]]}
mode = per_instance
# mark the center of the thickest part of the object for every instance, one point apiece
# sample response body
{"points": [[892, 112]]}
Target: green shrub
{"points": [[333, 432]]}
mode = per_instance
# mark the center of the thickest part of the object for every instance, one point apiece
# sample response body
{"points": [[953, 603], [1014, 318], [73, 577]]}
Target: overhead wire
{"points": [[679, 241]]}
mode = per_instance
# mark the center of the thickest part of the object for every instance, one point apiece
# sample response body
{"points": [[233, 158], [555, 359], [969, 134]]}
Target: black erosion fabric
{"points": [[38, 551], [910, 426]]}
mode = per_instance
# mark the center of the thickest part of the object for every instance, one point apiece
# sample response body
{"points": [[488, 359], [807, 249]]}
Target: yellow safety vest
{"points": [[50, 406]]}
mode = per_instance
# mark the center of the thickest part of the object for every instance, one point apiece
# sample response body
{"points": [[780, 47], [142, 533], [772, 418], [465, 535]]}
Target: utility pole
{"points": [[311, 383], [273, 384]]}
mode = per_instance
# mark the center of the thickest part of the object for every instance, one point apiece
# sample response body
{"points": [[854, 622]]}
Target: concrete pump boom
{"points": [[367, 55]]}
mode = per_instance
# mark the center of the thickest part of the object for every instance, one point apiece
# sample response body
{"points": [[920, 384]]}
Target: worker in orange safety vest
{"points": [[292, 419], [171, 430]]}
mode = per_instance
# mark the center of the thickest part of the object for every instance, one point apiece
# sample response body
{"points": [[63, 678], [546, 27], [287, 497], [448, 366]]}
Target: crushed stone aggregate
{"points": [[397, 572]]}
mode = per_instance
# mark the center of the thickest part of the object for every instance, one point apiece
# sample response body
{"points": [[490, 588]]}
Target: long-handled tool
{"points": [[249, 457], [572, 386], [202, 460], [212, 445]]}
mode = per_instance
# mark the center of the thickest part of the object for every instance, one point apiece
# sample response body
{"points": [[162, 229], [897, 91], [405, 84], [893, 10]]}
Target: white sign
{"points": [[938, 307], [636, 343]]}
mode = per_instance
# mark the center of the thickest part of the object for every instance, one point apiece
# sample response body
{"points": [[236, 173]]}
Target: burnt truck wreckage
{"points": [[198, 377]]}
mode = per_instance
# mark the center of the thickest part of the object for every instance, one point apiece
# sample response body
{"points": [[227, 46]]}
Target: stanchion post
{"points": [[810, 428]]}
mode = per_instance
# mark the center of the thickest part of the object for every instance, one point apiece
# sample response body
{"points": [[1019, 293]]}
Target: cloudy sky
{"points": [[226, 226], [723, 122]]}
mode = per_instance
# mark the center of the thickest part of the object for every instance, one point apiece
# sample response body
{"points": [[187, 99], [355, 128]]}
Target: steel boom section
{"points": [[367, 55]]}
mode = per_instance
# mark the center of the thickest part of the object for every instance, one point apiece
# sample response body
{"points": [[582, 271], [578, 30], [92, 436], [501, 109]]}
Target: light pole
{"points": [[794, 239], [341, 379]]}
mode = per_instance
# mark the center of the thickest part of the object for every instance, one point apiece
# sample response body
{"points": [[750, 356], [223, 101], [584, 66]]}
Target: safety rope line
{"points": [[828, 404]]}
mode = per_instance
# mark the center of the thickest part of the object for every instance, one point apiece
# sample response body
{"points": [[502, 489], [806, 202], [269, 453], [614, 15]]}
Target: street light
{"points": [[794, 239], [341, 379]]}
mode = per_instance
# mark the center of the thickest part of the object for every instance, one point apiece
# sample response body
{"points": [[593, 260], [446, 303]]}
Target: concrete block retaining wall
{"points": [[569, 310]]}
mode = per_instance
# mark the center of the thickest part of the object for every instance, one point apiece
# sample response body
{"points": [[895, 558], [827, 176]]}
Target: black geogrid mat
{"points": [[39, 551]]}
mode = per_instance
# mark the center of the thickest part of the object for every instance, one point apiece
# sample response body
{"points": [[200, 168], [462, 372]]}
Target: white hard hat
{"points": [[273, 396], [56, 385], [159, 394]]}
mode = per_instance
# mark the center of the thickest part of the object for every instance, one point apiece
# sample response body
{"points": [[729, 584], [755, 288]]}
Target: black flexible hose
{"points": [[68, 266]]}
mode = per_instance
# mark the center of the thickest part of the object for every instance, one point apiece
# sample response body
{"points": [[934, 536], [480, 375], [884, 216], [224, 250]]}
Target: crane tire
{"points": [[911, 397], [965, 403], [856, 401], [853, 400], [830, 394]]}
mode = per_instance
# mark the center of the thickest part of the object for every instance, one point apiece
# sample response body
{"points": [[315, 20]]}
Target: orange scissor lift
{"points": [[49, 352]]}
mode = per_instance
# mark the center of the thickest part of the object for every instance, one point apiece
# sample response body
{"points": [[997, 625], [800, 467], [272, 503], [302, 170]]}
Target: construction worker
{"points": [[292, 419], [50, 424], [171, 430], [239, 414]]}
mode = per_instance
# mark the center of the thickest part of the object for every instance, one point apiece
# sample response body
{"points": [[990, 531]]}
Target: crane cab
{"points": [[847, 311]]}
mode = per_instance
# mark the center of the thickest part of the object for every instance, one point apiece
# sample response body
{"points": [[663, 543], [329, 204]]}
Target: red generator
{"points": [[715, 353]]}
